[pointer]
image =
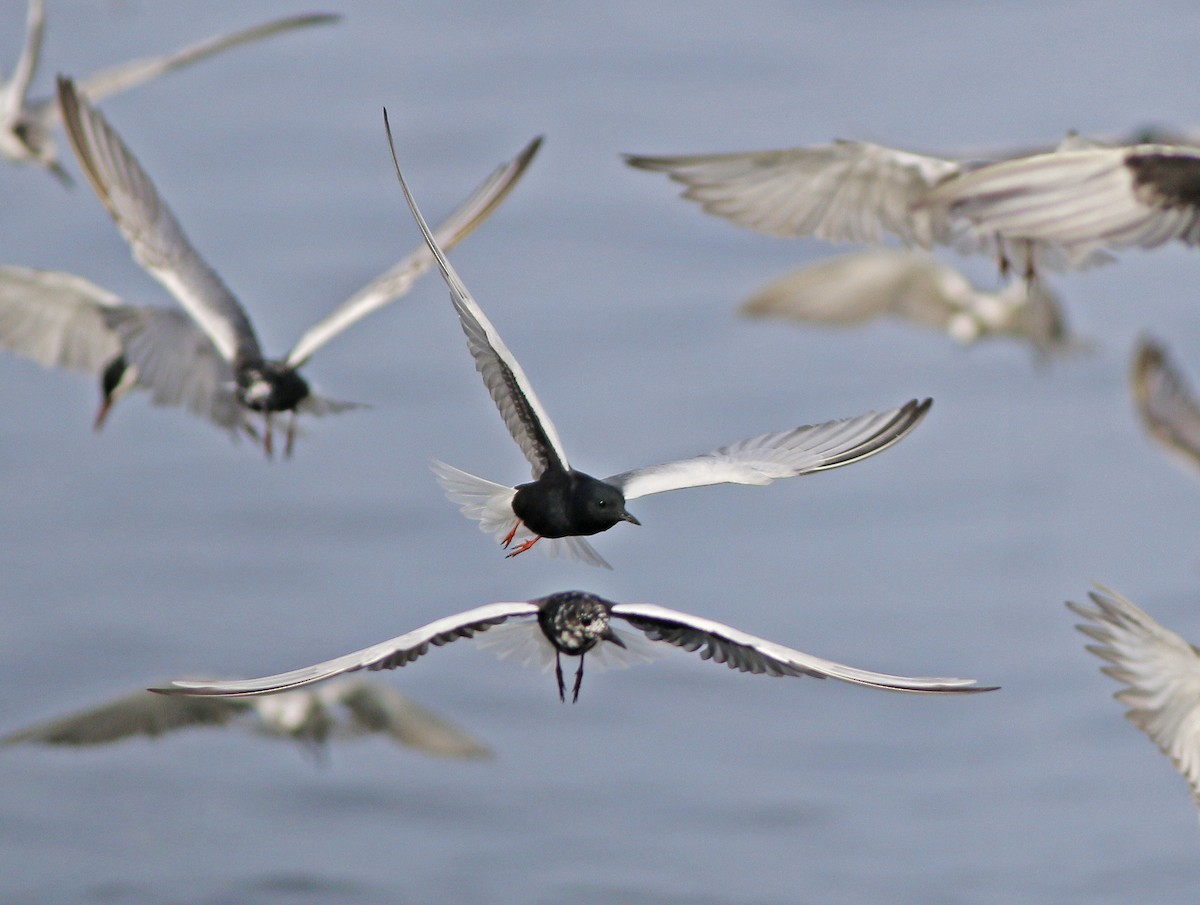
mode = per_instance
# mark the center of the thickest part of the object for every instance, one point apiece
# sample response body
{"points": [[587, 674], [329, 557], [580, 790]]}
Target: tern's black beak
{"points": [[626, 517], [610, 635]]}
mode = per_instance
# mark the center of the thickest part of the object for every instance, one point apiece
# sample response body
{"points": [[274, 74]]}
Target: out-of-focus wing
{"points": [[15, 91], [510, 389], [848, 191], [378, 708], [57, 319], [124, 76], [746, 653], [140, 713], [1085, 200], [154, 235], [178, 363], [1160, 672], [397, 652], [397, 281], [761, 460], [1165, 402]]}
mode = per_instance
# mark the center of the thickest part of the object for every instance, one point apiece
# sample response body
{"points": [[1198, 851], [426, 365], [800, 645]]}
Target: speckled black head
{"points": [[270, 386], [575, 622]]}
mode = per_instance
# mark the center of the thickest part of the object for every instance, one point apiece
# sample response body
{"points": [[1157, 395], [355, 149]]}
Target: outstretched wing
{"points": [[848, 191], [510, 389], [397, 281], [124, 76], [154, 235], [376, 707], [57, 319], [1160, 672], [14, 92], [391, 654], [787, 454], [1165, 402], [140, 713], [747, 653], [1085, 200]]}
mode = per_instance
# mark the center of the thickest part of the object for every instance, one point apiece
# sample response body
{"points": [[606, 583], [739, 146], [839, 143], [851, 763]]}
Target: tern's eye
{"points": [[602, 503]]}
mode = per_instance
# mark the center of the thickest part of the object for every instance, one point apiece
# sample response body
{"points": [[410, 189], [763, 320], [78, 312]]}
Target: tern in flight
{"points": [[209, 359], [25, 125], [562, 503], [574, 624]]}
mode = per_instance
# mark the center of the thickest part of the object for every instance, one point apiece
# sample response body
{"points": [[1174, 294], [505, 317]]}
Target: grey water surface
{"points": [[159, 548]]}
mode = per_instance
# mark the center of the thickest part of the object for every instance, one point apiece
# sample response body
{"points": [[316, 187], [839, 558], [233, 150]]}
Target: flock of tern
{"points": [[1069, 207]]}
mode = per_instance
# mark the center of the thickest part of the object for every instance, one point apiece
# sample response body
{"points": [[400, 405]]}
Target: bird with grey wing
{"points": [[579, 624], [206, 356], [855, 191], [348, 708], [564, 504], [25, 125]]}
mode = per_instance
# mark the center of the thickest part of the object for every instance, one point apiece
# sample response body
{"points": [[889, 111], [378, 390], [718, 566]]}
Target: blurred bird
{"points": [[1165, 402], [856, 288], [849, 191], [1084, 201], [25, 125], [207, 359], [564, 504], [575, 623], [1160, 672], [339, 710]]}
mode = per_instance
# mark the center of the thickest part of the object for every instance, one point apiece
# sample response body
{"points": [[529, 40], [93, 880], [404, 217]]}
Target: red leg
{"points": [[525, 546], [509, 537]]}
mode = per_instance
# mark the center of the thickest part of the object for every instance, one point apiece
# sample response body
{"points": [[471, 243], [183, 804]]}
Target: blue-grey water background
{"points": [[159, 548]]}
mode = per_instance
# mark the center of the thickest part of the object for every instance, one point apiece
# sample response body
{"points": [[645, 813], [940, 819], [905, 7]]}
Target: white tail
{"points": [[490, 504]]}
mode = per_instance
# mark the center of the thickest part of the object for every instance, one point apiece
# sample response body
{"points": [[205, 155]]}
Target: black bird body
{"points": [[574, 624], [566, 502]]}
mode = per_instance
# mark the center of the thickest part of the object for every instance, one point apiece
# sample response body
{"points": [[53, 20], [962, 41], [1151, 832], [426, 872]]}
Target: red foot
{"points": [[508, 538], [525, 546]]}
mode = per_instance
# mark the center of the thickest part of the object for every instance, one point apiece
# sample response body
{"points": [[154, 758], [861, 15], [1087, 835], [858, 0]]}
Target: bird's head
{"points": [[600, 506], [578, 622]]}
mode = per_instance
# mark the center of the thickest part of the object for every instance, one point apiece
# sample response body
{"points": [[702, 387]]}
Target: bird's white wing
{"points": [[376, 707], [847, 191], [510, 389], [124, 76], [177, 363], [140, 713], [1165, 402], [1084, 200], [399, 279], [746, 653], [56, 319], [1160, 672], [14, 92], [390, 654], [154, 235], [761, 460]]}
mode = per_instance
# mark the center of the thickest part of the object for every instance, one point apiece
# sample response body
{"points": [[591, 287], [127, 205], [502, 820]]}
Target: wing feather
{"points": [[1160, 672], [763, 459], [57, 319], [510, 389], [390, 654], [1165, 402], [400, 278], [140, 713], [154, 235], [747, 653]]}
